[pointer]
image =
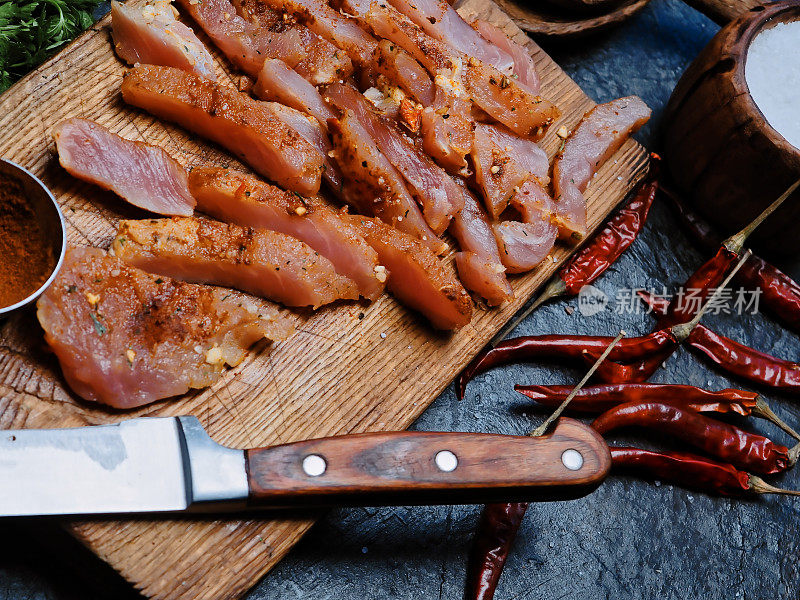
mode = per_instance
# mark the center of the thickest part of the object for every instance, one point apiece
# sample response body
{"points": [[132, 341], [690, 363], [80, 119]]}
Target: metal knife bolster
{"points": [[216, 476]]}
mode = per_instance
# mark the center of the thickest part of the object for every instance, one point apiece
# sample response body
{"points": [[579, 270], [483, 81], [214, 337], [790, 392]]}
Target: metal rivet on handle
{"points": [[446, 461], [572, 459], [314, 465]]}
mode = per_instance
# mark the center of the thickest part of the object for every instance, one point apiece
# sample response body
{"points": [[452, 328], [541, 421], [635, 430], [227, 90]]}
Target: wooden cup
{"points": [[719, 149]]}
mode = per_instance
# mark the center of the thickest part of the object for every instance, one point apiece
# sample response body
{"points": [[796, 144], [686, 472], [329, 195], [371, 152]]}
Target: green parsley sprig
{"points": [[33, 30]]}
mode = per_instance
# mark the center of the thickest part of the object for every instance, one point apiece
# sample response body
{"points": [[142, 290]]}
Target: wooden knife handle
{"points": [[403, 468]]}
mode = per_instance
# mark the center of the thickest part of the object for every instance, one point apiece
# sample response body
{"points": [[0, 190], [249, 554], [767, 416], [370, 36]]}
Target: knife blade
{"points": [[170, 464]]}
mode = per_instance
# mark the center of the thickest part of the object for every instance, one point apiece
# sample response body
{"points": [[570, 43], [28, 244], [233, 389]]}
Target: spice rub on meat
{"points": [[417, 277], [494, 92], [152, 34], [126, 338], [502, 162], [373, 184], [251, 129], [434, 190], [318, 61], [601, 132], [237, 197], [265, 263]]}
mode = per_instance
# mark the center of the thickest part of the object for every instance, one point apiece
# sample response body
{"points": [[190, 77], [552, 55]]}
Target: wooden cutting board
{"points": [[349, 368]]}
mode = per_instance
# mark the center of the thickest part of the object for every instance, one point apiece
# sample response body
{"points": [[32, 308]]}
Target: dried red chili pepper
{"points": [[496, 532], [747, 363], [780, 294], [736, 359], [644, 354], [599, 398], [713, 271], [608, 244], [578, 347], [691, 471], [641, 370], [637, 371], [704, 281], [727, 442], [683, 469]]}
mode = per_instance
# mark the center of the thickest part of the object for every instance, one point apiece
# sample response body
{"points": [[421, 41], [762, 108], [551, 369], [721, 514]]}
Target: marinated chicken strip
{"points": [[525, 244], [394, 63], [399, 67], [373, 185], [265, 263], [524, 68], [447, 131], [248, 128], [244, 44], [323, 62], [502, 161], [341, 30], [497, 94], [151, 34], [236, 197], [601, 132], [126, 338], [435, 191], [141, 174], [313, 132], [479, 266], [417, 277], [278, 83], [441, 21], [532, 202], [504, 100]]}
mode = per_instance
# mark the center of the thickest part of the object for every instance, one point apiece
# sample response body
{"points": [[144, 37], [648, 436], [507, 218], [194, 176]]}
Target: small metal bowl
{"points": [[50, 219]]}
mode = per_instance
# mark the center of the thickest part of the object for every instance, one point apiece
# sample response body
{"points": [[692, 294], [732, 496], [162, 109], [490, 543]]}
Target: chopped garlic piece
{"points": [[380, 273], [214, 355], [92, 298]]}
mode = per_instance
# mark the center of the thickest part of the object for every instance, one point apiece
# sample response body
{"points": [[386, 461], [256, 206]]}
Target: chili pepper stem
{"points": [[542, 429], [759, 486], [735, 243], [794, 454], [763, 410], [555, 288], [683, 330]]}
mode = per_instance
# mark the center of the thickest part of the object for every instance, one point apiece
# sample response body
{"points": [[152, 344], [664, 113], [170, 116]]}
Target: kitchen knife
{"points": [[172, 465]]}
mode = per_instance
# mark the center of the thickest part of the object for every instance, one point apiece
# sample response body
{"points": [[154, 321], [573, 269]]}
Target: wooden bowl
{"points": [[720, 150], [547, 21]]}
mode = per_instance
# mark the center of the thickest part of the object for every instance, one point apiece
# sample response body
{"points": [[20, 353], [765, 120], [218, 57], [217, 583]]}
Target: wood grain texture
{"points": [[375, 469], [338, 374]]}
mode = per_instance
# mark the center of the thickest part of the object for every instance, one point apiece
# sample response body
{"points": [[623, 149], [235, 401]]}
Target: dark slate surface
{"points": [[629, 539]]}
